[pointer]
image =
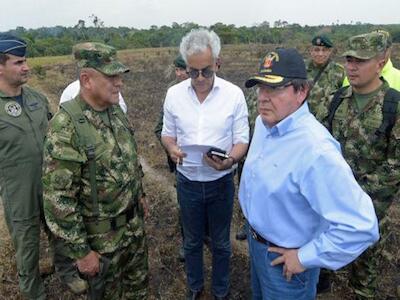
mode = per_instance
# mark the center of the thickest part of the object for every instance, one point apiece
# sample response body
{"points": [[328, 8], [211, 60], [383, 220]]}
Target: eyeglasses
{"points": [[272, 90], [206, 72]]}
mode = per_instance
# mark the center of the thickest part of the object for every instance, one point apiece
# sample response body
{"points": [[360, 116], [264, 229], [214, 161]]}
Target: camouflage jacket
{"points": [[251, 100], [159, 125], [330, 80], [374, 159], [66, 181]]}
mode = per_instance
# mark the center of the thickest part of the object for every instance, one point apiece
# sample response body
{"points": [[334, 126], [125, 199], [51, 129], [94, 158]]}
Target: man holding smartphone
{"points": [[205, 110]]}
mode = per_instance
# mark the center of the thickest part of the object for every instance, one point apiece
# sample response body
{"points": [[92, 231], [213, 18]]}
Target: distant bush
{"points": [[50, 41]]}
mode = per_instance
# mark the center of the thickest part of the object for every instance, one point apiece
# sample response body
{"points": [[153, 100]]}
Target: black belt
{"points": [[260, 239], [111, 224]]}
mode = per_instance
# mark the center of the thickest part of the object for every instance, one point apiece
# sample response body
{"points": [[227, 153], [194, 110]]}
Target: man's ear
{"points": [[381, 63], [84, 79]]}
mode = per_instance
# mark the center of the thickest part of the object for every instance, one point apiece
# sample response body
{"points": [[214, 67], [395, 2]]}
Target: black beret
{"points": [[322, 40], [10, 44]]}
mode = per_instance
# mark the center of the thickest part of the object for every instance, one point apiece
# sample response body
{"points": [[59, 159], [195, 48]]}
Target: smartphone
{"points": [[217, 152]]}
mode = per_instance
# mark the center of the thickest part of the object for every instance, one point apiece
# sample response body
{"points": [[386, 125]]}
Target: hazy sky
{"points": [[144, 13]]}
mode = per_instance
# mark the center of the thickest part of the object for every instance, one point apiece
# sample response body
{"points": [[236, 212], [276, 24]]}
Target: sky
{"points": [[142, 14]]}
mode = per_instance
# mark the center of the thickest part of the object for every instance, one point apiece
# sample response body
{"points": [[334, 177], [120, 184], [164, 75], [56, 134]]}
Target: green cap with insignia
{"points": [[322, 40], [367, 45], [179, 62], [98, 56]]}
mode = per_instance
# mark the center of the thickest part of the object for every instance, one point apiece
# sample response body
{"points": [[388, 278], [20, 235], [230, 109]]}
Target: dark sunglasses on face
{"points": [[206, 72]]}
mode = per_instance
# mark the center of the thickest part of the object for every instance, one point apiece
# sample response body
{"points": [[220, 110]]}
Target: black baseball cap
{"points": [[279, 67]]}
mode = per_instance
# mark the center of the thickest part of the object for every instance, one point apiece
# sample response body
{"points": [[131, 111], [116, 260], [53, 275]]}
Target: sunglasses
{"points": [[206, 72]]}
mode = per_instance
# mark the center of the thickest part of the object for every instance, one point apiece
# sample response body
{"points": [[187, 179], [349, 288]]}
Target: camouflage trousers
{"points": [[127, 274], [377, 266], [123, 273]]}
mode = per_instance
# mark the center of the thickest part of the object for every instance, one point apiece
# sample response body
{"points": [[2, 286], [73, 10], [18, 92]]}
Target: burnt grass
{"points": [[144, 90]]}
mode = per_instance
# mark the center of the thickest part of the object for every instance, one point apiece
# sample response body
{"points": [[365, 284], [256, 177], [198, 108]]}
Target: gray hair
{"points": [[197, 41]]}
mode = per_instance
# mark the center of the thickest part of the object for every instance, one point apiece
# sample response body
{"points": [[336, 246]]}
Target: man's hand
{"points": [[145, 206], [90, 264], [176, 154], [217, 163], [290, 261]]}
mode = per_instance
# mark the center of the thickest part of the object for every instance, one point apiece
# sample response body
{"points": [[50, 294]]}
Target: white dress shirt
{"points": [[219, 121], [72, 90]]}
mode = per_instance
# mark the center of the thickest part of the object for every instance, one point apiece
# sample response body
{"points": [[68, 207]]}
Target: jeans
{"points": [[211, 201], [268, 283]]}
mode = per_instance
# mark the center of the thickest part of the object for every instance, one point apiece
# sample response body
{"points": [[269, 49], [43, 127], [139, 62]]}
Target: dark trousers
{"points": [[197, 200]]}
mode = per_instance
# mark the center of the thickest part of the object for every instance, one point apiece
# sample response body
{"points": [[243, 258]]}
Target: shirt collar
{"points": [[290, 122]]}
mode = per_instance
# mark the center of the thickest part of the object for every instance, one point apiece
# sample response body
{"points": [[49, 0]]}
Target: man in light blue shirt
{"points": [[303, 204]]}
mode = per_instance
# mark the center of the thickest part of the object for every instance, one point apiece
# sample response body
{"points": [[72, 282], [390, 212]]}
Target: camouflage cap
{"points": [[387, 36], [98, 56], [366, 46]]}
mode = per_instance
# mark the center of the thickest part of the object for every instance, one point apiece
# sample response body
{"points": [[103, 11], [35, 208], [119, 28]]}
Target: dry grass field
{"points": [[144, 90]]}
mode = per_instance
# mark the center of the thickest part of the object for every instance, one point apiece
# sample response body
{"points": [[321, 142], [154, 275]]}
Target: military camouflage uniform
{"points": [[373, 157], [251, 101], [159, 125], [330, 80], [69, 209], [22, 133], [376, 166]]}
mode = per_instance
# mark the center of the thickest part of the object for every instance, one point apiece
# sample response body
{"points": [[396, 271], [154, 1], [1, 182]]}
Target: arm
{"points": [[172, 148], [330, 188], [61, 175], [159, 126], [240, 136], [382, 183]]}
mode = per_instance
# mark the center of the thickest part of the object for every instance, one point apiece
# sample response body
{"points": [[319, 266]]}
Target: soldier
{"points": [[389, 72], [93, 197], [362, 117], [23, 124], [180, 75], [327, 75], [72, 90], [251, 101], [197, 113]]}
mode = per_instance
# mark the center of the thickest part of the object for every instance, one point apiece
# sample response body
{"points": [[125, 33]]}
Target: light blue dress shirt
{"points": [[297, 191]]}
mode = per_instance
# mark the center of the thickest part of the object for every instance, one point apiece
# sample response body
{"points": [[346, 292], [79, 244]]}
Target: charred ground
{"points": [[144, 91]]}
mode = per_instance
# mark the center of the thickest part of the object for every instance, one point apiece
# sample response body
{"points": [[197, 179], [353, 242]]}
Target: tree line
{"points": [[58, 40]]}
